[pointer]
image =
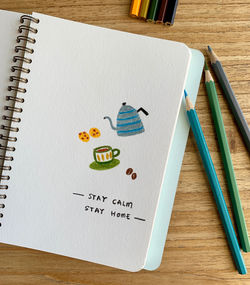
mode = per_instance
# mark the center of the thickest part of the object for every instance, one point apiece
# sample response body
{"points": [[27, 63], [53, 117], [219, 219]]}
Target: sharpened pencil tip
{"points": [[205, 67], [209, 48], [189, 104]]}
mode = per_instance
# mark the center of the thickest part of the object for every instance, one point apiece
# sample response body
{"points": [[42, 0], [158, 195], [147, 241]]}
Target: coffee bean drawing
{"points": [[134, 175], [129, 171]]}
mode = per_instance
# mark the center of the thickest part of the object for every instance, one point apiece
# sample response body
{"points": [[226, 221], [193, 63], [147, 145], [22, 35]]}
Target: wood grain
{"points": [[196, 251]]}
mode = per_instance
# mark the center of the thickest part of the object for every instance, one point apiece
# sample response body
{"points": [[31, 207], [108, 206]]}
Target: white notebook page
{"points": [[79, 75]]}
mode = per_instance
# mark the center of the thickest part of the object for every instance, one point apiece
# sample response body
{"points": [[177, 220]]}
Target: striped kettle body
{"points": [[128, 121]]}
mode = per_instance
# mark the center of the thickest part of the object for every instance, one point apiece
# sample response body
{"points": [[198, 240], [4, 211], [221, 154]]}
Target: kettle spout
{"points": [[111, 124]]}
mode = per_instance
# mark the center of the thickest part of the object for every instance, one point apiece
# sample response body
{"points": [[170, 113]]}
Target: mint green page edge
{"points": [[170, 182]]}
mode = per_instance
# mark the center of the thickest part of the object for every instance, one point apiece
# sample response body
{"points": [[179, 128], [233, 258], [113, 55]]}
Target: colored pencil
{"points": [[231, 99], [135, 8], [162, 11], [215, 186], [171, 12], [227, 161], [144, 9], [153, 10]]}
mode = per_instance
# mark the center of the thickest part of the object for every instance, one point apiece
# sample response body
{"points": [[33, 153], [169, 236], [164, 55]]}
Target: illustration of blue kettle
{"points": [[128, 121]]}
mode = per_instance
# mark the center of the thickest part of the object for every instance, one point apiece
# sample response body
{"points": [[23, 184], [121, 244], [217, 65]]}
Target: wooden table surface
{"points": [[196, 251]]}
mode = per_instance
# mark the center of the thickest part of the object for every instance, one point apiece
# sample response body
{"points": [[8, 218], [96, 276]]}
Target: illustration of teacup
{"points": [[105, 154]]}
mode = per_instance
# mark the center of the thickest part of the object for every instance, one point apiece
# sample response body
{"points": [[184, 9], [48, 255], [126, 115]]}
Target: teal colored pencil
{"points": [[215, 186], [227, 161]]}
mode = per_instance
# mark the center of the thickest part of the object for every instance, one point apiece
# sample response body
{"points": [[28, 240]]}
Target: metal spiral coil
{"points": [[7, 148], [19, 79], [29, 50], [30, 18], [7, 128], [19, 68], [25, 39], [5, 167], [15, 99], [25, 20]]}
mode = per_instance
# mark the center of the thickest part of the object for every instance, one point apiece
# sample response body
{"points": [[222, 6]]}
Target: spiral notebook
{"points": [[88, 122]]}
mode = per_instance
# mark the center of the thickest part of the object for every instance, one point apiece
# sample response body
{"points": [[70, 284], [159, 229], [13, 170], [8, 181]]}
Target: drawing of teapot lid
{"points": [[126, 109], [128, 121]]}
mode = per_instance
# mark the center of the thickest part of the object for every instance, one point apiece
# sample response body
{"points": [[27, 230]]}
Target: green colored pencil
{"points": [[227, 161], [153, 10]]}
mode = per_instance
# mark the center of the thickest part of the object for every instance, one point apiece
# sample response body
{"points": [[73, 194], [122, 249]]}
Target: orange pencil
{"points": [[135, 8]]}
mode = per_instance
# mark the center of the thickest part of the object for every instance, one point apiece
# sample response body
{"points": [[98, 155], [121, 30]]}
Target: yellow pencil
{"points": [[144, 9]]}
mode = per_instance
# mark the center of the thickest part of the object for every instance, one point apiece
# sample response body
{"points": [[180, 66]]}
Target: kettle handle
{"points": [[143, 110]]}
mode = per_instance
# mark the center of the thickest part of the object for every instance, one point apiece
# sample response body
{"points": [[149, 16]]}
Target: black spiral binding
{"points": [[21, 58]]}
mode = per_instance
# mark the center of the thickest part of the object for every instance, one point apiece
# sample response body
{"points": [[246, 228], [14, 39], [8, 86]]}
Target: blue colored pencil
{"points": [[215, 185]]}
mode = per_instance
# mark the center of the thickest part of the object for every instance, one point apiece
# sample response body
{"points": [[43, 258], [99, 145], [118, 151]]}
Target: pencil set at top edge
{"points": [[156, 11]]}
